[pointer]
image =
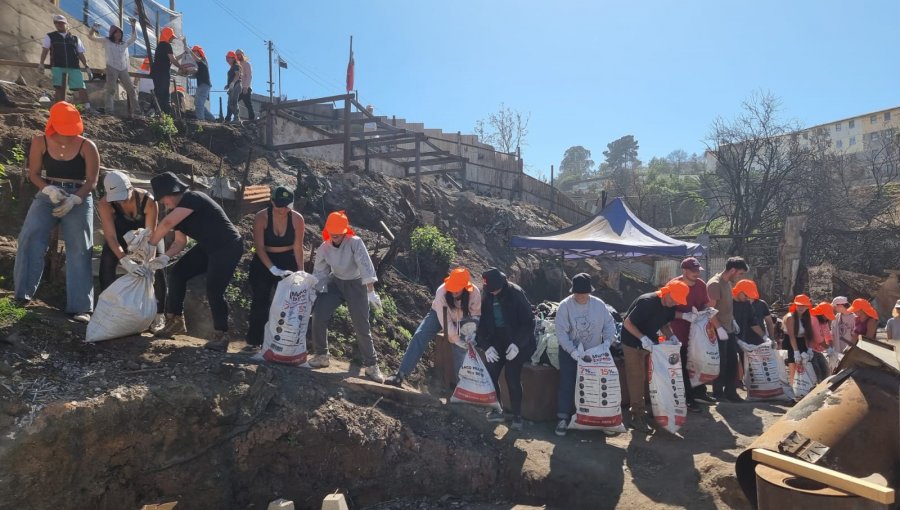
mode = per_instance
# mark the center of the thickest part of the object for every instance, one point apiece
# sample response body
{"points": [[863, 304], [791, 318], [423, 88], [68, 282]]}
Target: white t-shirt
{"points": [[893, 328]]}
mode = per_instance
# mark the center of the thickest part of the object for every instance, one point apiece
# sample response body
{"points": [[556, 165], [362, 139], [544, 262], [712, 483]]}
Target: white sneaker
{"points": [[83, 318], [320, 361], [374, 373], [158, 323]]}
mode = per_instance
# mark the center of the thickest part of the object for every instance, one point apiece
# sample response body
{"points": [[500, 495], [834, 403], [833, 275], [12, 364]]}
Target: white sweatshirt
{"points": [[116, 53], [349, 261]]}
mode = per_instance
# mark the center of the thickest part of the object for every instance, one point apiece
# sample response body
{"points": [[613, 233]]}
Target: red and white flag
{"points": [[350, 65]]}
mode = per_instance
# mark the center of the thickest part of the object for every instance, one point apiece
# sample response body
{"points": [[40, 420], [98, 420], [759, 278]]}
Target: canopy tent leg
{"points": [[562, 268]]}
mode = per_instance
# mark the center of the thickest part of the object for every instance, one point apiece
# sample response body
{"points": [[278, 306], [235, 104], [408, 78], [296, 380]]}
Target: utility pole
{"points": [[271, 83]]}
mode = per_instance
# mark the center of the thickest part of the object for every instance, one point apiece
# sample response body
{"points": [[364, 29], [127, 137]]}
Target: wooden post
{"points": [[122, 16], [418, 171], [87, 5], [562, 281], [221, 116], [521, 168], [552, 192], [347, 147]]}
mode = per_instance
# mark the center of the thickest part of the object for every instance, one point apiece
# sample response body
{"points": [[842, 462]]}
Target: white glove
{"points": [[67, 204], [578, 353], [646, 343], [690, 316], [158, 262], [468, 331], [512, 351], [673, 340], [767, 339], [55, 193], [90, 74], [737, 329], [374, 300], [721, 333], [491, 355], [132, 267], [41, 67], [797, 357], [277, 271], [804, 356]]}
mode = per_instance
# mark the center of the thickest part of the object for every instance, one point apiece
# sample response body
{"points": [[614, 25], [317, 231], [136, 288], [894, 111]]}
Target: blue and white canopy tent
{"points": [[615, 232]]}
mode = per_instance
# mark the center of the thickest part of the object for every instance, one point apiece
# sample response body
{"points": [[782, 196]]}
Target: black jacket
{"points": [[517, 315]]}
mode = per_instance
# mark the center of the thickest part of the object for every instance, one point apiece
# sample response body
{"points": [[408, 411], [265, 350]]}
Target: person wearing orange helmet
{"points": [[71, 166], [462, 301], [233, 88], [204, 85], [161, 68], [345, 273], [866, 319], [798, 327], [751, 313], [822, 315], [647, 317]]}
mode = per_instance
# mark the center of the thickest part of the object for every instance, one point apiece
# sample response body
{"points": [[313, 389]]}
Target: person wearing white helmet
{"points": [[124, 208], [842, 325]]}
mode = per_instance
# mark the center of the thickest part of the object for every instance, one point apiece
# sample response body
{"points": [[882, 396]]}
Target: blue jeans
{"points": [[200, 98], [77, 230], [568, 371], [424, 334]]}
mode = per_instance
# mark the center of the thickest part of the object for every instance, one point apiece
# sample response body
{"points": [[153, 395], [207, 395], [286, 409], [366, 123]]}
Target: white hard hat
{"points": [[116, 185], [59, 18]]}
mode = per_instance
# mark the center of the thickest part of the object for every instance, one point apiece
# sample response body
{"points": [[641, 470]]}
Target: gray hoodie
{"points": [[589, 324]]}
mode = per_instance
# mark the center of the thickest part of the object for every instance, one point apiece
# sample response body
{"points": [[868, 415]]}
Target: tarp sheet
{"points": [[614, 232]]}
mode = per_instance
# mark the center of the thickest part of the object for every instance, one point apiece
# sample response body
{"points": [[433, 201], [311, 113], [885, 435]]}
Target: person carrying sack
{"points": [[582, 322], [192, 214], [71, 165], [345, 273], [506, 334], [123, 209], [462, 300], [278, 237]]}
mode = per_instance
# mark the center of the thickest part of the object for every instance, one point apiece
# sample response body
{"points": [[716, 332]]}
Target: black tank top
{"points": [[273, 241], [74, 169], [124, 223]]}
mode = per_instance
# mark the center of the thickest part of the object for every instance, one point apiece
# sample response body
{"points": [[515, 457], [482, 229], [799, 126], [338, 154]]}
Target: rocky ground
{"points": [[141, 420]]}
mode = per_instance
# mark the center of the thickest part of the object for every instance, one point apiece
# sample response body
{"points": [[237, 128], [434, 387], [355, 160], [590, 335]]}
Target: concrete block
{"points": [[334, 502], [281, 504]]}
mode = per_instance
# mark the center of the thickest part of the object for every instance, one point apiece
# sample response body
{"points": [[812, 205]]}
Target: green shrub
{"points": [[429, 243], [163, 126], [11, 314], [235, 293]]}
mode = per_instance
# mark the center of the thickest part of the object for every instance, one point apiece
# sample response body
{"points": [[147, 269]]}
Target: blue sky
{"points": [[588, 72]]}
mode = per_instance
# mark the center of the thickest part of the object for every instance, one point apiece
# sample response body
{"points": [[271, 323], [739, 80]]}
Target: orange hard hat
{"points": [[800, 300], [336, 224], [230, 54], [862, 305], [748, 287], [677, 289], [64, 119], [145, 65], [824, 308], [167, 34], [199, 51], [457, 280]]}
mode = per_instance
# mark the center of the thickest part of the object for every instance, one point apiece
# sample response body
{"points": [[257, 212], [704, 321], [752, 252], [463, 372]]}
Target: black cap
{"points": [[282, 197], [493, 279], [166, 184], [581, 284]]}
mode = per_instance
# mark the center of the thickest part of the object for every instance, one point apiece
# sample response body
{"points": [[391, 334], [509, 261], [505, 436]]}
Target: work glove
{"points": [[468, 331], [67, 204], [41, 67], [646, 343], [90, 74], [797, 358], [512, 351], [578, 353], [690, 316], [737, 329], [132, 267], [158, 262], [55, 193], [277, 271], [767, 339], [374, 300], [491, 355], [804, 356], [721, 333]]}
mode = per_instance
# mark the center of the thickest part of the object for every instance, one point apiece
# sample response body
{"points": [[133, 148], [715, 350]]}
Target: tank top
{"points": [[125, 223], [271, 240], [74, 169]]}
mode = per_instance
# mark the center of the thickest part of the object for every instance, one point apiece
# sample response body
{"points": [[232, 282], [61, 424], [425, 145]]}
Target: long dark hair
{"points": [[113, 32], [806, 317], [463, 298]]}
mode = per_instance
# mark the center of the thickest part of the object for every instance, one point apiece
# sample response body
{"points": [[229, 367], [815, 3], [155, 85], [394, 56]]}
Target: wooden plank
{"points": [[447, 171], [389, 139], [326, 122], [830, 477], [311, 143], [408, 153], [403, 395], [305, 102], [436, 161]]}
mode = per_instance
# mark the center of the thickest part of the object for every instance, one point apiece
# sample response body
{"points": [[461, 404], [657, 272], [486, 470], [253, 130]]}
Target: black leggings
{"points": [[108, 263], [261, 283], [513, 370], [219, 267], [161, 86], [245, 97]]}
